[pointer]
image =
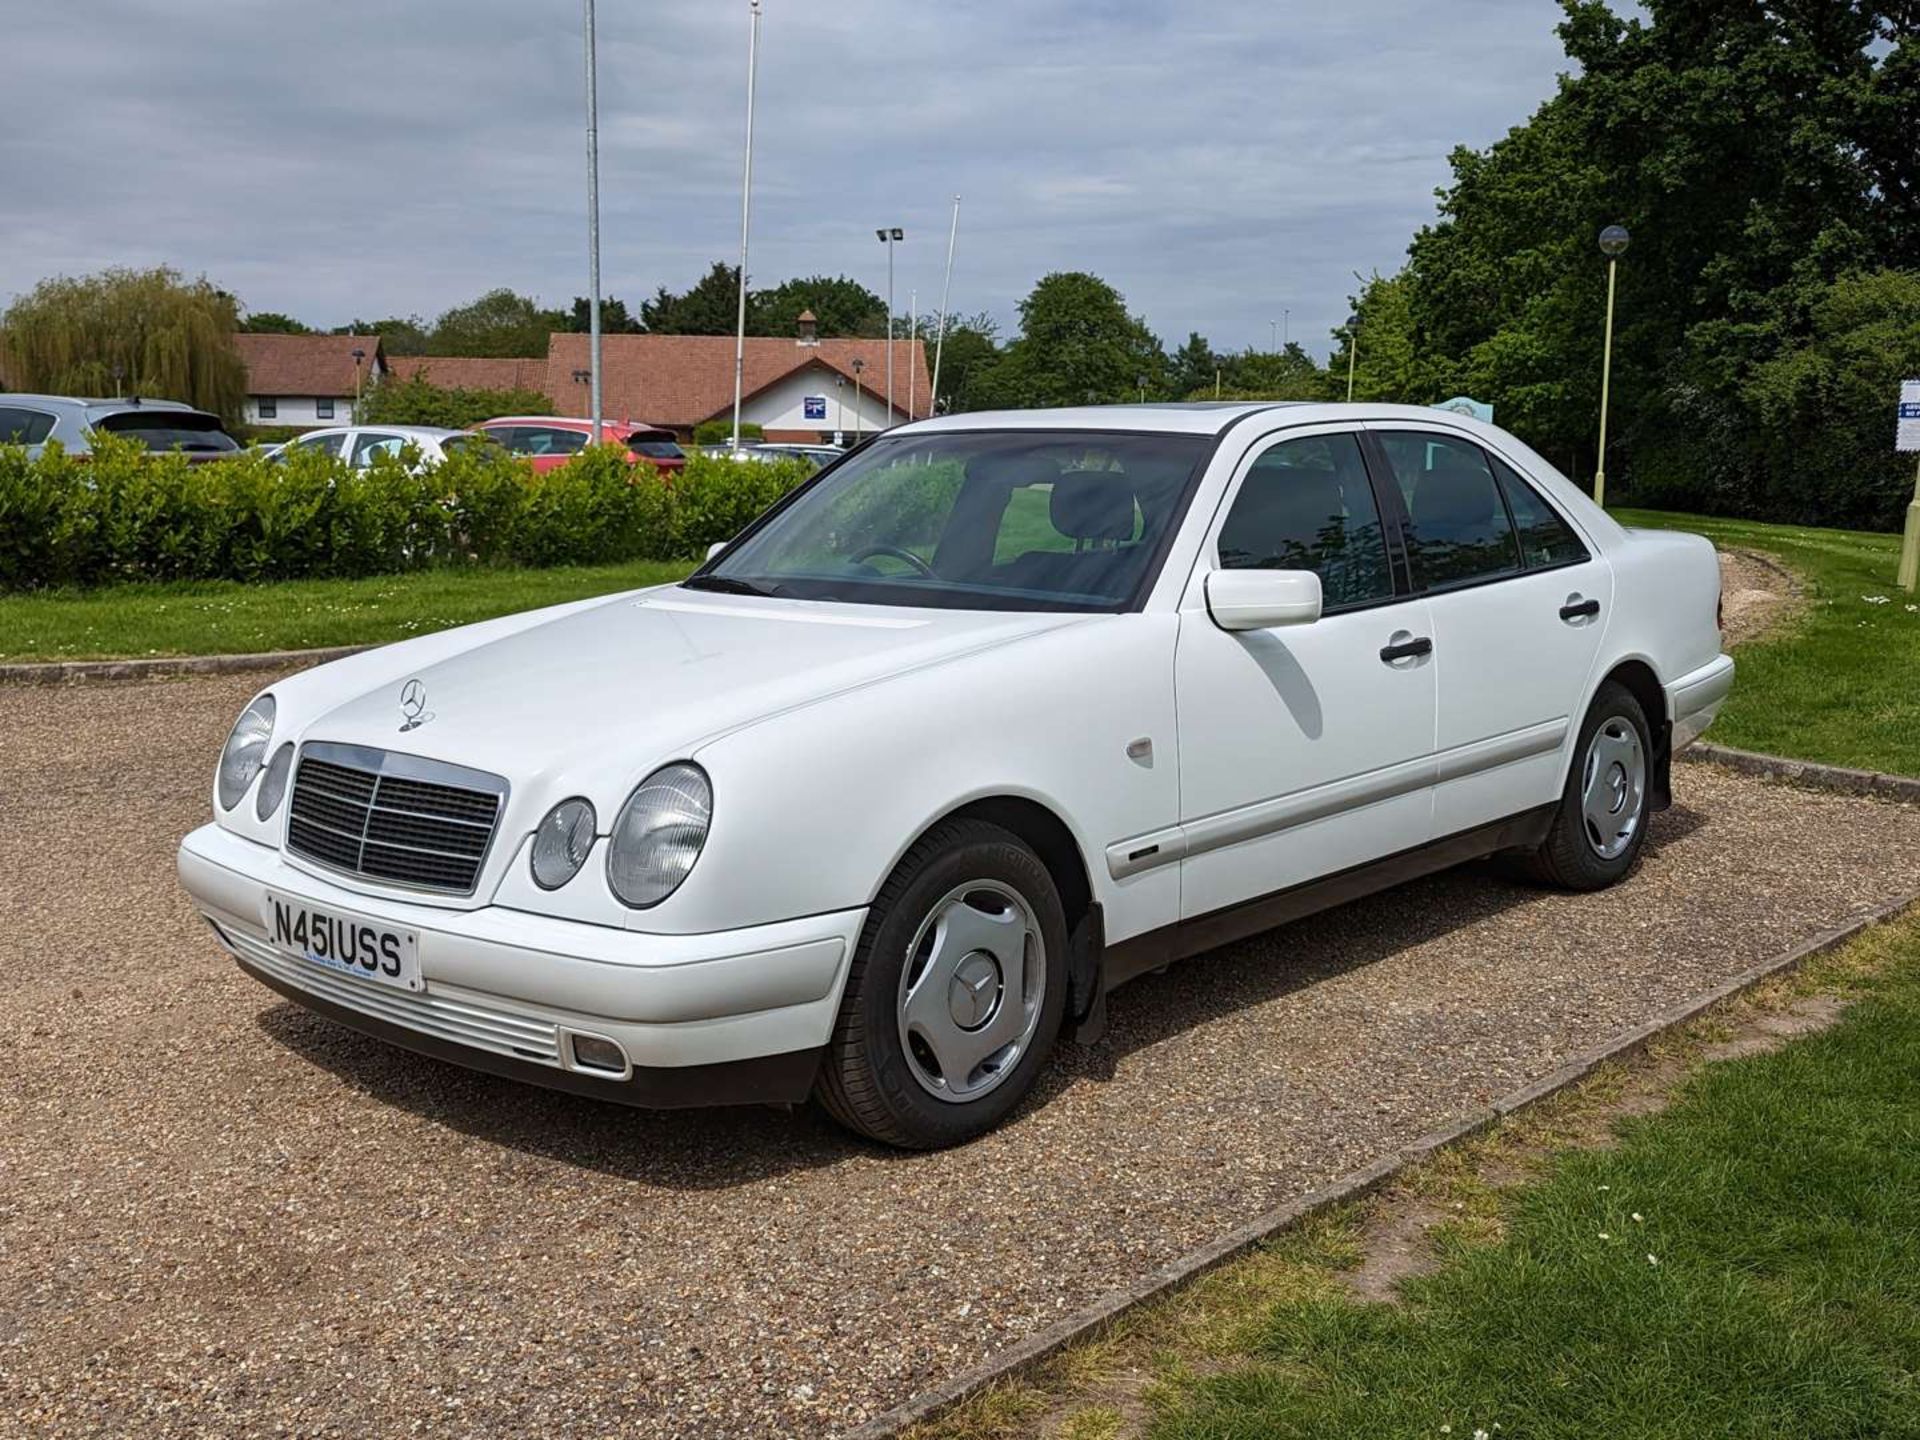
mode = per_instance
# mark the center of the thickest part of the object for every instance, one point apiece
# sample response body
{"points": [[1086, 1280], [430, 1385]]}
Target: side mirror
{"points": [[716, 547], [1262, 599]]}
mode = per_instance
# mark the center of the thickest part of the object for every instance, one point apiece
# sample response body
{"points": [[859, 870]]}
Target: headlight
{"points": [[658, 834], [561, 843], [246, 751], [274, 785]]}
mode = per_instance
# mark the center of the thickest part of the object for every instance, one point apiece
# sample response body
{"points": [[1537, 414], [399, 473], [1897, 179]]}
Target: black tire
{"points": [[867, 1081], [1569, 857]]}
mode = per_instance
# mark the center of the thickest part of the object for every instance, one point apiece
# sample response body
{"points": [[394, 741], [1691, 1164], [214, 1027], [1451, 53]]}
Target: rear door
{"points": [[1519, 600], [1304, 749]]}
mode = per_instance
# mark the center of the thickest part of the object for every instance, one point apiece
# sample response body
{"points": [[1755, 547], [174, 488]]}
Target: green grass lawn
{"points": [[1746, 1264], [1841, 684], [219, 617]]}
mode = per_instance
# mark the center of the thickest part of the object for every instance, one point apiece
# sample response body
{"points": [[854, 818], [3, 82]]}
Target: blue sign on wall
{"points": [[815, 407]]}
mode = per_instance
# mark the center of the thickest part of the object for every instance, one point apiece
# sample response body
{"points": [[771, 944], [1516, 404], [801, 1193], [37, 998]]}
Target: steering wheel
{"points": [[897, 553]]}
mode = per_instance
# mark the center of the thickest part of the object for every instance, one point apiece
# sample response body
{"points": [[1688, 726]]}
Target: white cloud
{"points": [[1216, 163]]}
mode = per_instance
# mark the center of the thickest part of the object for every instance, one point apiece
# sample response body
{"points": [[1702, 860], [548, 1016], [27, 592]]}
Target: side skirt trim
{"points": [[1129, 959]]}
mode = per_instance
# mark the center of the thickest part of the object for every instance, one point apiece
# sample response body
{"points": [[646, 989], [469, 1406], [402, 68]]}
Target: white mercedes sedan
{"points": [[986, 718]]}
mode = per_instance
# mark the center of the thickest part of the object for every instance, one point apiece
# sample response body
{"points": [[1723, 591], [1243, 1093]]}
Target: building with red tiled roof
{"points": [[472, 372], [798, 390], [308, 380]]}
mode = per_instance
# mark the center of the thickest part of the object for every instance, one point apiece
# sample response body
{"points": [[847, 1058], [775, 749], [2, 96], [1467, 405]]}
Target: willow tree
{"points": [[127, 332]]}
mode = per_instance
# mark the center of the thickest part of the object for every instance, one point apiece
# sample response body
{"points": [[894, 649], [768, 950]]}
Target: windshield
{"points": [[169, 430], [989, 520]]}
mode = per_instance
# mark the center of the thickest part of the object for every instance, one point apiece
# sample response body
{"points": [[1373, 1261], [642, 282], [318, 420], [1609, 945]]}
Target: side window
{"points": [[1545, 539], [1460, 532], [1306, 505], [24, 427], [328, 443], [563, 442], [375, 442]]}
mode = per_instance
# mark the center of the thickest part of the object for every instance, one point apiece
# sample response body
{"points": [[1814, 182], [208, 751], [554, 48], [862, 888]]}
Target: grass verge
{"points": [[225, 617], [1841, 684], [1741, 1261]]}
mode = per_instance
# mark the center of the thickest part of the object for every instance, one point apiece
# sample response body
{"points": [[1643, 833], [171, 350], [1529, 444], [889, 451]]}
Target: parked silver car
{"points": [[360, 444], [36, 420]]}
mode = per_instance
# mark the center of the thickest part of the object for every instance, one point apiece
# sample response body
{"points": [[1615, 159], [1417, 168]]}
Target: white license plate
{"points": [[345, 944]]}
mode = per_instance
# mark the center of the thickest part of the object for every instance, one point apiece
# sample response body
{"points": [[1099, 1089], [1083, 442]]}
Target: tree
{"points": [[1762, 156], [841, 307], [1194, 368], [128, 332], [1078, 345], [500, 322], [614, 318], [967, 358], [711, 307], [1288, 374], [272, 322], [399, 335]]}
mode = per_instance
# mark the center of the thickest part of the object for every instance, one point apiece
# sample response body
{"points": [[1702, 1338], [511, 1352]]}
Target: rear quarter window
{"points": [[24, 427], [169, 430]]}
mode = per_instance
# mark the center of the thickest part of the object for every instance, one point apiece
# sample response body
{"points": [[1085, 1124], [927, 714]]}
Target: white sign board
{"points": [[1468, 406], [1907, 439]]}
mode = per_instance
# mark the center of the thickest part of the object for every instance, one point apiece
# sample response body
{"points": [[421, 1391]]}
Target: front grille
{"points": [[399, 818]]}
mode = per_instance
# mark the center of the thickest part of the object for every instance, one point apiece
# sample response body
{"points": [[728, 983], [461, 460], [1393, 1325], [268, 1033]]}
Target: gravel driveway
{"points": [[219, 1215]]}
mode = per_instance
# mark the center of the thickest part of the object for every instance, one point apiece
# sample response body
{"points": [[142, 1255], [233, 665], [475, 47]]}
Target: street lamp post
{"points": [[913, 347], [1140, 383], [358, 356], [746, 211], [859, 408], [593, 222], [1273, 336], [1286, 329], [839, 409], [1353, 350], [888, 235], [1613, 244]]}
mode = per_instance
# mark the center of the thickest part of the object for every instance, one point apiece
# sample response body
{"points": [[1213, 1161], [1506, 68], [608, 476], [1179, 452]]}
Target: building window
{"points": [[269, 407], [323, 409]]}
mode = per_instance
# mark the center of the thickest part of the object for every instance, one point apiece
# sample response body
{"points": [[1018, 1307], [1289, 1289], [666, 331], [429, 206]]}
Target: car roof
{"points": [[581, 421], [424, 432], [1207, 417], [93, 405]]}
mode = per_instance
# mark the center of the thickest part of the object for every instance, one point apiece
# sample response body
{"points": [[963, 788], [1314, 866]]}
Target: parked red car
{"points": [[550, 441]]}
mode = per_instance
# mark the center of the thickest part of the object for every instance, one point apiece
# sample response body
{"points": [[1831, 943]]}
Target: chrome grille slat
{"points": [[499, 1031], [393, 817]]}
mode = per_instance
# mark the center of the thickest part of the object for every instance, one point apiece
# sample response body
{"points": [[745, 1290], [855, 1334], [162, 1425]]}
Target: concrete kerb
{"points": [[77, 672]]}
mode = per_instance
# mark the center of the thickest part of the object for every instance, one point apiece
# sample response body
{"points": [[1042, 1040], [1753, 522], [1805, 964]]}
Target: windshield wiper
{"points": [[731, 585]]}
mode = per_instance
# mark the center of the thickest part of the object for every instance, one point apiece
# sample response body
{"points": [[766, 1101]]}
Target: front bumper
{"points": [[736, 1016]]}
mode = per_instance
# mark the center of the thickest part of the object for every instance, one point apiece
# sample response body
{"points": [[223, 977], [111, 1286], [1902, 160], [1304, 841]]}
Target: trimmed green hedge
{"points": [[127, 514]]}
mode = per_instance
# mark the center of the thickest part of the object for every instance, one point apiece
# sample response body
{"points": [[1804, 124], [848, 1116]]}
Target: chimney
{"points": [[809, 329]]}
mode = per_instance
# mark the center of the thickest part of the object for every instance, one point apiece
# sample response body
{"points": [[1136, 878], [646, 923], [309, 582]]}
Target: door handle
{"points": [[1578, 609], [1406, 649]]}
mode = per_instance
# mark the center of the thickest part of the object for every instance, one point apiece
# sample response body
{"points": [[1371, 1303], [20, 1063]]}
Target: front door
{"points": [[1304, 749], [1520, 603]]}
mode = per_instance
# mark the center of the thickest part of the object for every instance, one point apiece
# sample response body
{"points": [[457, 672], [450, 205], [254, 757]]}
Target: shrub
{"points": [[125, 513], [720, 432], [418, 401]]}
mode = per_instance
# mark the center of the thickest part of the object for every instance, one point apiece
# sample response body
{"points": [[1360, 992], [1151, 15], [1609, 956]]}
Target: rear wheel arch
{"points": [[1640, 680]]}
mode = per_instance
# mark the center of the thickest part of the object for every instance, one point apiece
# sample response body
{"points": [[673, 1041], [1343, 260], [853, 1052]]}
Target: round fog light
{"points": [[562, 843]]}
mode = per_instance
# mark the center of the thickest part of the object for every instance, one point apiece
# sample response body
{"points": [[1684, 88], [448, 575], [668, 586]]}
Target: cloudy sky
{"points": [[1219, 162]]}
